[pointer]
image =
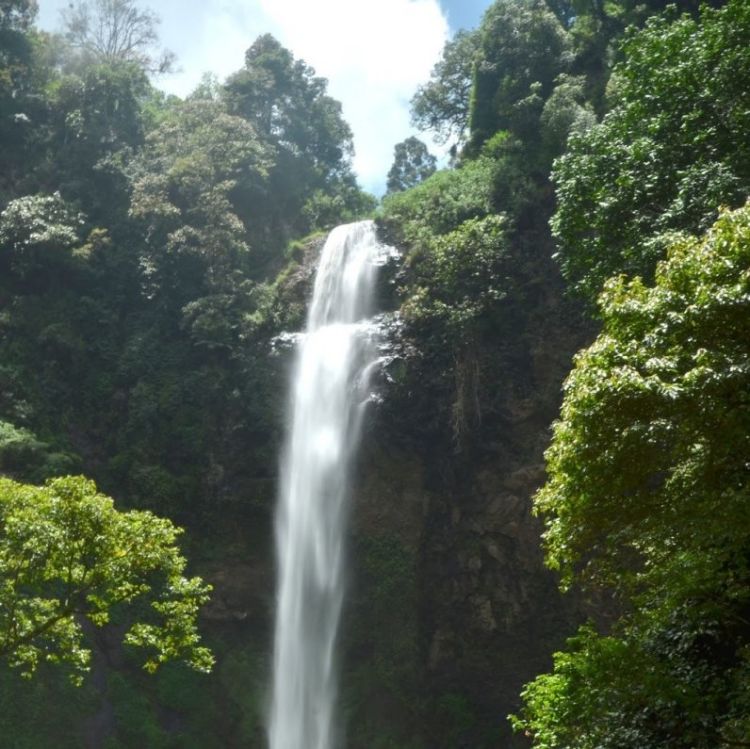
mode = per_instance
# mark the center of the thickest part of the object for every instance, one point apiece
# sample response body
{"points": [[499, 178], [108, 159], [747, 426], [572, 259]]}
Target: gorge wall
{"points": [[451, 610]]}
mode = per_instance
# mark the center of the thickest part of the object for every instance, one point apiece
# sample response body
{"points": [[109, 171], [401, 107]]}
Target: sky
{"points": [[374, 53]]}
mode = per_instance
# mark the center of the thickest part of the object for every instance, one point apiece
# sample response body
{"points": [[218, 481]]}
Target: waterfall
{"points": [[329, 392]]}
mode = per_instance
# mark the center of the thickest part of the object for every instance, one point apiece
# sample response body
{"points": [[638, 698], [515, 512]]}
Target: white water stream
{"points": [[329, 392]]}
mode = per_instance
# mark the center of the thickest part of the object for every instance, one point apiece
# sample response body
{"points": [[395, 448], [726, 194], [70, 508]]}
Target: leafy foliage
{"points": [[672, 150], [565, 112], [440, 204], [522, 50], [442, 104], [39, 220], [460, 276], [18, 80], [498, 78], [288, 103], [67, 553], [182, 190], [93, 125], [302, 125], [648, 494], [17, 14], [22, 454], [412, 164]]}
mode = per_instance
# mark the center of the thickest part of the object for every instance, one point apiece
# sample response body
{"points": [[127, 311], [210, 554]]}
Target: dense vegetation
{"points": [[142, 244], [139, 234], [648, 497], [646, 500], [149, 254], [69, 556]]}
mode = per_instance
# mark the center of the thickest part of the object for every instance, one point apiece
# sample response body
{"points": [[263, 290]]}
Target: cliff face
{"points": [[451, 609]]}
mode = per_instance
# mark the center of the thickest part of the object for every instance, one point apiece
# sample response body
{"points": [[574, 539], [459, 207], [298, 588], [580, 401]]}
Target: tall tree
{"points": [[17, 14], [412, 164], [522, 50], [114, 31], [672, 150], [289, 105], [18, 109], [182, 187], [442, 104], [95, 123], [290, 109]]}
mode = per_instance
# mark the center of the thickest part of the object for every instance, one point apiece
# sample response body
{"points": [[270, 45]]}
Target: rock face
{"points": [[493, 613], [451, 609]]}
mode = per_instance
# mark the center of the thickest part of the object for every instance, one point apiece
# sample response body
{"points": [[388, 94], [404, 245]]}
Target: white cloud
{"points": [[207, 37], [374, 54]]}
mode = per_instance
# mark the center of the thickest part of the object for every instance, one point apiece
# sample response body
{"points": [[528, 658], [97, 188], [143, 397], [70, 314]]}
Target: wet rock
{"points": [[527, 478], [237, 591], [492, 549], [483, 614]]}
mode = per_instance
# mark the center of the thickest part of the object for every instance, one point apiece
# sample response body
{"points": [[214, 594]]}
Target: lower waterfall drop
{"points": [[329, 392]]}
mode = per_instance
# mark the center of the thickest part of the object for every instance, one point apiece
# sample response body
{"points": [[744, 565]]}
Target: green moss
{"points": [[44, 712], [379, 690], [243, 677]]}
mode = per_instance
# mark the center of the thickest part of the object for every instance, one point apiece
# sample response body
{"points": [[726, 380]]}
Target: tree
{"points": [[18, 108], [294, 116], [182, 190], [115, 31], [566, 111], [17, 14], [442, 104], [672, 150], [648, 495], [68, 556], [440, 204], [22, 453], [95, 121], [412, 164], [37, 233], [288, 104], [522, 49]]}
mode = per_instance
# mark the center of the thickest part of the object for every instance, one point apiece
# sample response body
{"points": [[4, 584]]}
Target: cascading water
{"points": [[329, 392]]}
